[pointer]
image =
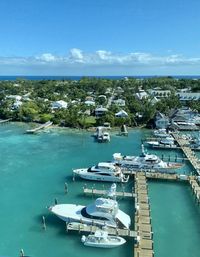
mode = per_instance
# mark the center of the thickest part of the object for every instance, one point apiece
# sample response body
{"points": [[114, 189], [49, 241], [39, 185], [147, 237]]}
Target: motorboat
{"points": [[106, 137], [161, 133], [163, 143], [103, 171], [103, 212], [101, 239], [145, 162]]}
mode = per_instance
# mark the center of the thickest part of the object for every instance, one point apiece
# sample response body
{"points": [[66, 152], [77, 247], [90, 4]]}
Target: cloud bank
{"points": [[101, 62]]}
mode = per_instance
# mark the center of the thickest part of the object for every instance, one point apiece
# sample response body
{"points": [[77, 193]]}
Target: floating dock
{"points": [[43, 126]]}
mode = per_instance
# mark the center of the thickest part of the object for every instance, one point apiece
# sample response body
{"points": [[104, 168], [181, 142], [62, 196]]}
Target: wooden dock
{"points": [[5, 121], [93, 191], [144, 243], [194, 161], [80, 227], [43, 126]]}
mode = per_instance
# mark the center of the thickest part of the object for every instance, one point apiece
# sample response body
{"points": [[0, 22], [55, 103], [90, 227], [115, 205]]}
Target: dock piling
{"points": [[43, 222]]}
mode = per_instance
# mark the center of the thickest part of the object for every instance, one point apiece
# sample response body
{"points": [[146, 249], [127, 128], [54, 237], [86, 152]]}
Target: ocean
{"points": [[13, 78], [33, 171]]}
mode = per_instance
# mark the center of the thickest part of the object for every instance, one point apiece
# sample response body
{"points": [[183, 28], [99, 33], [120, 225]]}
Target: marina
{"points": [[44, 182]]}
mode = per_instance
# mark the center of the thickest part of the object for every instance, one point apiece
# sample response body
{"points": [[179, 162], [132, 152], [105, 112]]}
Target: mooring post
{"points": [[66, 188], [43, 223], [55, 201], [21, 253]]}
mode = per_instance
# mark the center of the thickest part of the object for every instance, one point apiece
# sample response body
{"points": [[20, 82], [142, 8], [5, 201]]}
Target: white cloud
{"points": [[101, 61]]}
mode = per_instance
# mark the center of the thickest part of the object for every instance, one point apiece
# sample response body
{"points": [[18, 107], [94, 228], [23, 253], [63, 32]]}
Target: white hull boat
{"points": [[145, 162], [101, 239], [103, 212], [103, 171]]}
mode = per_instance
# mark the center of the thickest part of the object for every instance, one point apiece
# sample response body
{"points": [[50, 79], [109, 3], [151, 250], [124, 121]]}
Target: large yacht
{"points": [[103, 171], [103, 212], [145, 162]]}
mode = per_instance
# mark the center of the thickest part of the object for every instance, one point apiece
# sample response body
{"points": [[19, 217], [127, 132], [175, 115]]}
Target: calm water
{"points": [[33, 171]]}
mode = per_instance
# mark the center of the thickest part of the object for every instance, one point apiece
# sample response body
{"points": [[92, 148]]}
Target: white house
{"points": [[14, 97], [121, 114], [159, 93], [89, 103], [59, 105], [16, 105], [100, 111], [119, 102], [141, 94], [188, 96]]}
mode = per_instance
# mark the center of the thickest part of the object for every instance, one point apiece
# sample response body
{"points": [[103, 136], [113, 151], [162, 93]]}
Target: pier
{"points": [[5, 121], [80, 227], [194, 161], [144, 243], [43, 126], [98, 192]]}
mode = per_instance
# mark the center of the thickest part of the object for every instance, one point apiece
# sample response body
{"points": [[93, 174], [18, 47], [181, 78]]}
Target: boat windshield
{"points": [[86, 215]]}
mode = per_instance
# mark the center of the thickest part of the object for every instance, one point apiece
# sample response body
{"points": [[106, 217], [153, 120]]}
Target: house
{"points": [[141, 94], [121, 114], [159, 93], [16, 105], [59, 105], [100, 111], [14, 97], [119, 102], [89, 98], [89, 103], [188, 96], [161, 121]]}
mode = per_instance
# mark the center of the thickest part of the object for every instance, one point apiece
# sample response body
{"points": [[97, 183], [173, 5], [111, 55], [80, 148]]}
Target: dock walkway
{"points": [[5, 121], [144, 245], [43, 126], [194, 161], [80, 227], [94, 191]]}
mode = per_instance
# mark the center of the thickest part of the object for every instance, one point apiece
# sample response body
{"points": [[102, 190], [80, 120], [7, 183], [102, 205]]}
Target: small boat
{"points": [[164, 143], [162, 133], [103, 171], [106, 137], [101, 239]]}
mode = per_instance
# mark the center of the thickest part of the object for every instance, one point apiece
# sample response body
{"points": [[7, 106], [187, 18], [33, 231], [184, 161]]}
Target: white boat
{"points": [[162, 133], [101, 239], [145, 162], [103, 171], [103, 212], [106, 137], [163, 143]]}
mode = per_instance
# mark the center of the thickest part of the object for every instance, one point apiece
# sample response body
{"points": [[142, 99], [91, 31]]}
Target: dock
{"points": [[194, 161], [144, 243], [98, 192], [5, 121], [80, 227], [43, 126]]}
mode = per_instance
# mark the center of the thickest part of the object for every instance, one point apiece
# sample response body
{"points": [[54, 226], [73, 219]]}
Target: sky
{"points": [[99, 37]]}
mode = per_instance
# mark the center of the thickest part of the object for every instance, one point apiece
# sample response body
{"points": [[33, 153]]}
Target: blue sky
{"points": [[88, 37]]}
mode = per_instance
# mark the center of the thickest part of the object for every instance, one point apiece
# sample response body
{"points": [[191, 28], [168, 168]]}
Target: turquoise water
{"points": [[33, 171]]}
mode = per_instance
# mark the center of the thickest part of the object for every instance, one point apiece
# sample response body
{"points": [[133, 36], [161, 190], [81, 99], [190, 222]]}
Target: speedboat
{"points": [[103, 212], [163, 143], [103, 171], [101, 239], [145, 162]]}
